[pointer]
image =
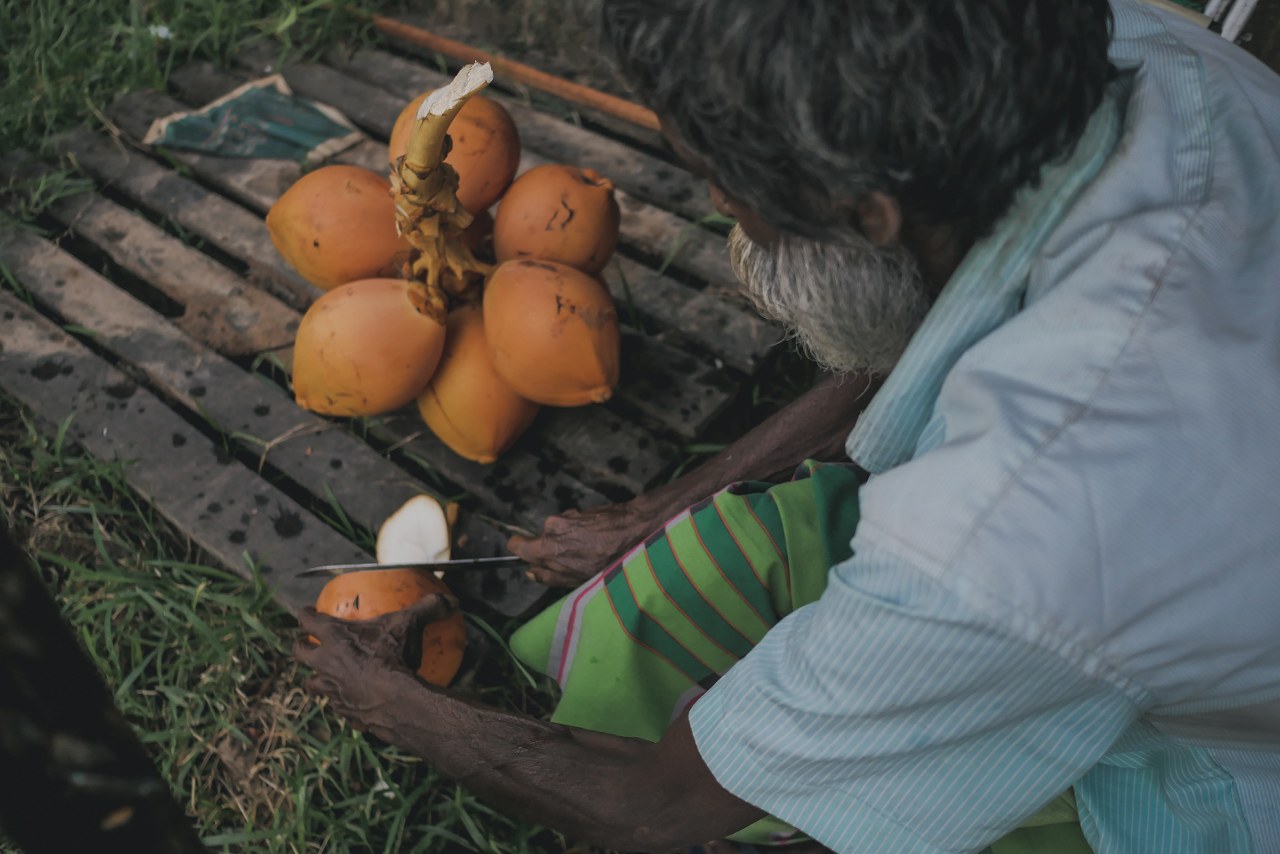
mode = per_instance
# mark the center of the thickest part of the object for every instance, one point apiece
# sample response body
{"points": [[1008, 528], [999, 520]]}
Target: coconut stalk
{"points": [[428, 213]]}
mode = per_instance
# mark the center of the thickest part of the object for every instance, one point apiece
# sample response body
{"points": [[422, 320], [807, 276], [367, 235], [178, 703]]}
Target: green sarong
{"points": [[633, 648]]}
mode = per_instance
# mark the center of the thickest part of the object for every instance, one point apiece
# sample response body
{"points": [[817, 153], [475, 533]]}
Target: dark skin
{"points": [[601, 789], [576, 545]]}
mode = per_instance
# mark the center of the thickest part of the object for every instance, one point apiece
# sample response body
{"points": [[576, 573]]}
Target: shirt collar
{"points": [[985, 291]]}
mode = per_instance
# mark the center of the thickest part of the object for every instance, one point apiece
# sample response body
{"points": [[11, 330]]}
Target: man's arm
{"points": [[600, 789], [577, 545]]}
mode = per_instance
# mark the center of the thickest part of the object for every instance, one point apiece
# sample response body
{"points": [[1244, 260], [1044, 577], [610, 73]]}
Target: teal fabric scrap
{"points": [[262, 119]]}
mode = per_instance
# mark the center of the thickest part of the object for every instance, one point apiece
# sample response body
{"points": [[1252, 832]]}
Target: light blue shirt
{"points": [[1067, 571]]}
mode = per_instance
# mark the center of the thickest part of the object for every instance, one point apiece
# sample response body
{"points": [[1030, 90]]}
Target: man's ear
{"points": [[879, 218]]}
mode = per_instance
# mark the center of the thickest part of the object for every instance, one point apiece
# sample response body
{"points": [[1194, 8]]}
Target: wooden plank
{"points": [[725, 327], [237, 517], [313, 453], [149, 184], [589, 461], [135, 112], [228, 226], [318, 456], [703, 320], [641, 175], [676, 387], [222, 310], [619, 128], [440, 458], [650, 229]]}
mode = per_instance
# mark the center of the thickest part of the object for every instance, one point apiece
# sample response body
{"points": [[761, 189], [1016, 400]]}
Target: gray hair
{"points": [[852, 306], [802, 107]]}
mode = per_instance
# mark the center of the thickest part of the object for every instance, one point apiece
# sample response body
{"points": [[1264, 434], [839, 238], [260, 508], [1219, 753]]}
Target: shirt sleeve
{"points": [[892, 716]]}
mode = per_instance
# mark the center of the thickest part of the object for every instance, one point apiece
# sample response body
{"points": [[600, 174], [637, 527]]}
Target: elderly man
{"points": [[1054, 227]]}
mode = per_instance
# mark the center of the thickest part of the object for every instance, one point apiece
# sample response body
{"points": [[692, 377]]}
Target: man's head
{"points": [[800, 110], [832, 128]]}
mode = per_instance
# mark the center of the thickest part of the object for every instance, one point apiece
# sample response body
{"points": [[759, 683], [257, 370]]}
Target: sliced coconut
{"points": [[416, 533]]}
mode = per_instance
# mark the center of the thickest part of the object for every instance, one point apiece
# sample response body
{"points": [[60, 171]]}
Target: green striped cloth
{"points": [[639, 643]]}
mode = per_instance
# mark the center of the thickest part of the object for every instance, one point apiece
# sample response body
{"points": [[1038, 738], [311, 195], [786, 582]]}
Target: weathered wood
{"points": [[181, 272], [311, 450], [222, 310], [726, 327], [202, 82], [314, 453], [227, 226], [665, 383], [238, 518], [705, 321], [650, 229], [135, 113], [255, 188], [633, 134], [75, 777]]}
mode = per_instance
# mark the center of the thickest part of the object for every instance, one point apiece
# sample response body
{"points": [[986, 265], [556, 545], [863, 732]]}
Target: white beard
{"points": [[852, 306]]}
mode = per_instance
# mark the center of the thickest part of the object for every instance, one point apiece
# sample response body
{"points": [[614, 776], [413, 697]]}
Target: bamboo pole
{"points": [[576, 93]]}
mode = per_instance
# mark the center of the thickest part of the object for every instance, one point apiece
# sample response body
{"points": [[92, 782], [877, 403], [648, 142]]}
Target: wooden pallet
{"points": [[158, 323]]}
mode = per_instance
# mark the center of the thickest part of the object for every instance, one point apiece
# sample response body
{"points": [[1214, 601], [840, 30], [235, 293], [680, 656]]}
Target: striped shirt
{"points": [[1067, 569]]}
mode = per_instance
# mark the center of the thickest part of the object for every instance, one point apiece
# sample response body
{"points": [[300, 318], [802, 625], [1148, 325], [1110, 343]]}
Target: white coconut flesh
{"points": [[416, 533]]}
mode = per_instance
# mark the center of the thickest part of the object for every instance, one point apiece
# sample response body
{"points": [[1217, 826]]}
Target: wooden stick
{"points": [[575, 92], [73, 777]]}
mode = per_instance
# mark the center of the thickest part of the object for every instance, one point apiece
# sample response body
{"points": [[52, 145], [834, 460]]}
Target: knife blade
{"points": [[460, 563]]}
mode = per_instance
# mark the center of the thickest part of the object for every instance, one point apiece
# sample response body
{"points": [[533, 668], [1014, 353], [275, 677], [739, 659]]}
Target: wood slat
{"points": [[618, 128], [582, 431], [237, 517], [221, 308], [230, 227], [135, 175], [180, 257], [134, 114], [702, 319], [707, 319], [317, 455], [181, 271]]}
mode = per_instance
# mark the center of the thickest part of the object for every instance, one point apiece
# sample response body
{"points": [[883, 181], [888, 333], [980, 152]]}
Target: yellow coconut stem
{"points": [[428, 213], [426, 145]]}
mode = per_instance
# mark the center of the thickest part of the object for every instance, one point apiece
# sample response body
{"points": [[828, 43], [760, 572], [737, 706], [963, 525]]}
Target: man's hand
{"points": [[616, 792], [575, 546], [358, 664]]}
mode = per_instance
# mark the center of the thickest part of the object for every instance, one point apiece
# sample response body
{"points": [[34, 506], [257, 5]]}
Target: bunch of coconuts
{"points": [[414, 310]]}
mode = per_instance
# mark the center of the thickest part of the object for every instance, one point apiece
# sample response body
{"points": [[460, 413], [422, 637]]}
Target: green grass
{"points": [[65, 61], [198, 658], [198, 662]]}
